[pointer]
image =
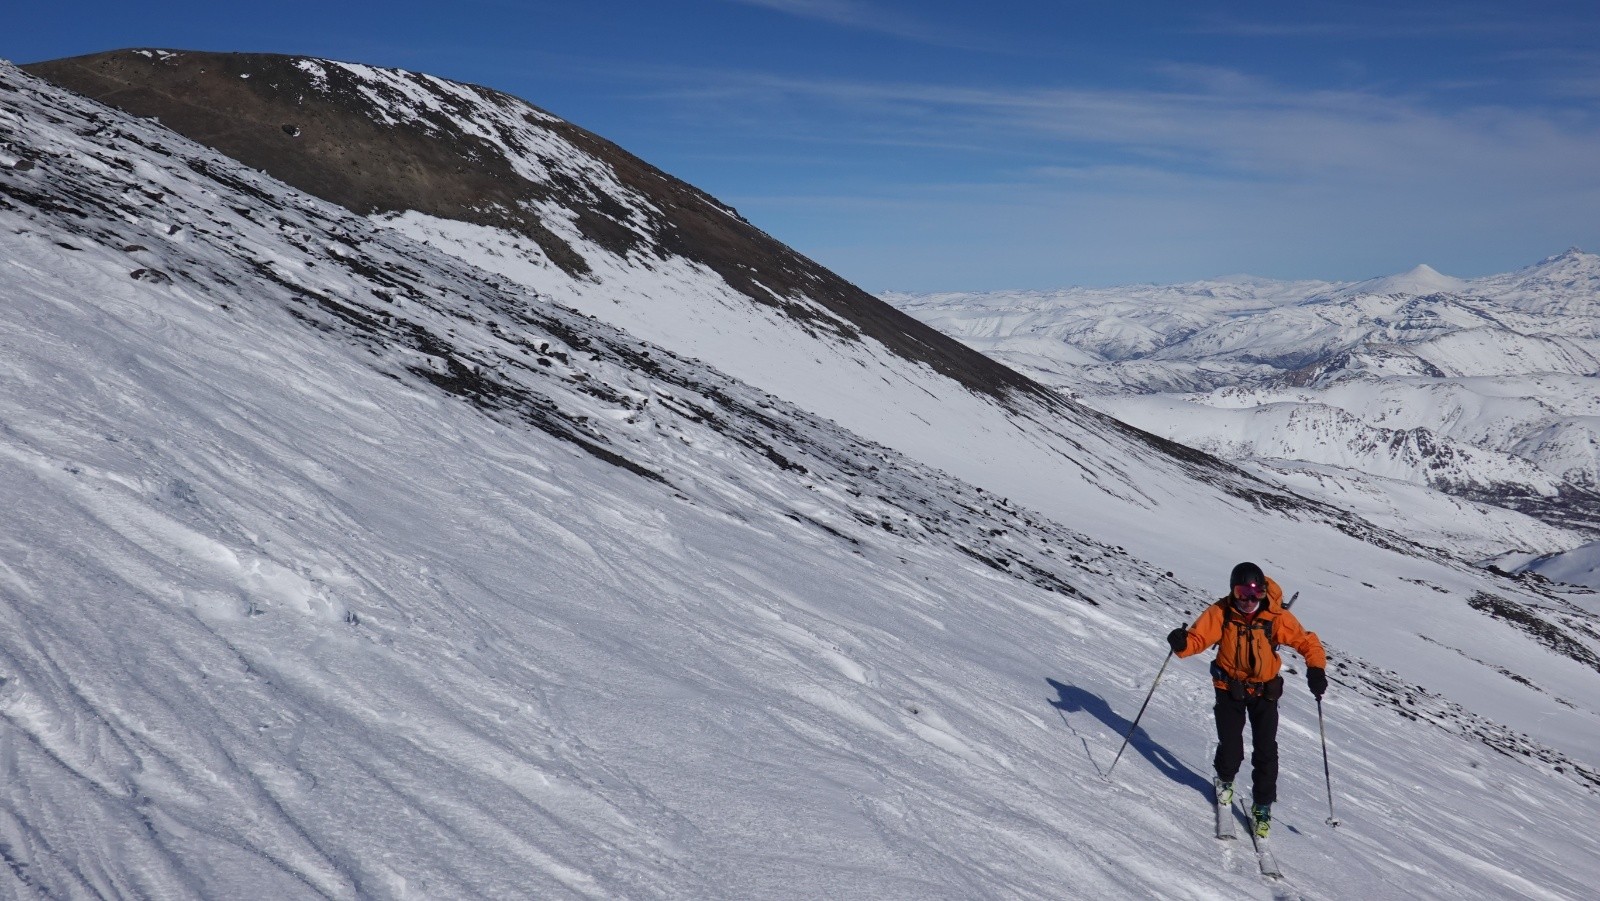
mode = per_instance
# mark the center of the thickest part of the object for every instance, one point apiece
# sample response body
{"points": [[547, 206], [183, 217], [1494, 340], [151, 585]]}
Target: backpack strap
{"points": [[1264, 623]]}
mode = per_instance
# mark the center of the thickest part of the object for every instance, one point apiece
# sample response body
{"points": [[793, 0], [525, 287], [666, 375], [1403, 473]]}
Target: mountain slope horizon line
{"points": [[316, 126]]}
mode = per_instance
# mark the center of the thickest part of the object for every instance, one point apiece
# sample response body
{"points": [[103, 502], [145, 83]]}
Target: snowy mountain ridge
{"points": [[346, 564], [383, 141]]}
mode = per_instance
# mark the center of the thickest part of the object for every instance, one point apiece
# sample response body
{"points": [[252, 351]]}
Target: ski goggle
{"points": [[1250, 591]]}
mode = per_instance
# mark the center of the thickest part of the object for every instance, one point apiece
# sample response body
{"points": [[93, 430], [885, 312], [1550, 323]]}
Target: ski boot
{"points": [[1261, 817], [1224, 792]]}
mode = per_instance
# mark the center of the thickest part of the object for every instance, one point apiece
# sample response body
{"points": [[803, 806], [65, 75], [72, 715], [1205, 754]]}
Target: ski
{"points": [[1227, 823], [1228, 830], [1269, 863]]}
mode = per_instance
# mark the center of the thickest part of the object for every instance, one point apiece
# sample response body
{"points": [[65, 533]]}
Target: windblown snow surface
{"points": [[336, 567]]}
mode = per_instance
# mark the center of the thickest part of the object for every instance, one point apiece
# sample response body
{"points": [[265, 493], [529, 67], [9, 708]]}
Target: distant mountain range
{"points": [[1486, 390]]}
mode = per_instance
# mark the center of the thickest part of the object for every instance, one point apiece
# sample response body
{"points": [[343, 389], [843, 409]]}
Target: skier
{"points": [[1246, 627]]}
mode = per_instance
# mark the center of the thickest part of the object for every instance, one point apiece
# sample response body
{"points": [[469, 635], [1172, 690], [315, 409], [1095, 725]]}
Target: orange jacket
{"points": [[1244, 650]]}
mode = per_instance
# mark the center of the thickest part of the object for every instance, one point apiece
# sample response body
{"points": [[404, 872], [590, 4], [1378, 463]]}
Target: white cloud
{"points": [[1209, 121], [1386, 24], [867, 17]]}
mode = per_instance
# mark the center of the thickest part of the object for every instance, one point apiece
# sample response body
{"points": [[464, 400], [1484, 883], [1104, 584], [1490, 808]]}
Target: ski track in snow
{"points": [[283, 610]]}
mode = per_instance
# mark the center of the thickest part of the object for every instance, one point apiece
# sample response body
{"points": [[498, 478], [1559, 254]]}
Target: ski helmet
{"points": [[1247, 574]]}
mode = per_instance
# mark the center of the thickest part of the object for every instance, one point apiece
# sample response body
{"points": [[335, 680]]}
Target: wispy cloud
{"points": [[1379, 24], [857, 15], [1208, 120]]}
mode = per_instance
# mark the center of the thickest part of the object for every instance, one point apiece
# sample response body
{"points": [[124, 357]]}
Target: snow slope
{"points": [[1579, 566], [338, 567]]}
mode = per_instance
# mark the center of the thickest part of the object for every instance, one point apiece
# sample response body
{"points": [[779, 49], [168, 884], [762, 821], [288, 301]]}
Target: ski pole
{"points": [[1327, 774], [1139, 715]]}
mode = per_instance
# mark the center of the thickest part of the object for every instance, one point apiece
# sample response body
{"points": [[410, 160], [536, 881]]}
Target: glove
{"points": [[1316, 680], [1179, 639]]}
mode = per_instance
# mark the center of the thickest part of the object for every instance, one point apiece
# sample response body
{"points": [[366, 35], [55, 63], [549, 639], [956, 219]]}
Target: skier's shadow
{"points": [[1072, 699]]}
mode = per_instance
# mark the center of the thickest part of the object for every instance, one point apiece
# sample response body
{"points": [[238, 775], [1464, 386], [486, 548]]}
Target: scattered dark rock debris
{"points": [[1384, 688]]}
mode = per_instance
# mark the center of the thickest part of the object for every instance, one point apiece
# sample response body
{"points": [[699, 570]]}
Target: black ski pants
{"points": [[1263, 717]]}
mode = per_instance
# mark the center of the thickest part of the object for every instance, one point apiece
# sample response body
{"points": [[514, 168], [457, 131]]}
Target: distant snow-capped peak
{"points": [[1423, 279]]}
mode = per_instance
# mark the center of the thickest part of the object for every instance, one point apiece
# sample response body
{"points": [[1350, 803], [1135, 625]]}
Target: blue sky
{"points": [[974, 146]]}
